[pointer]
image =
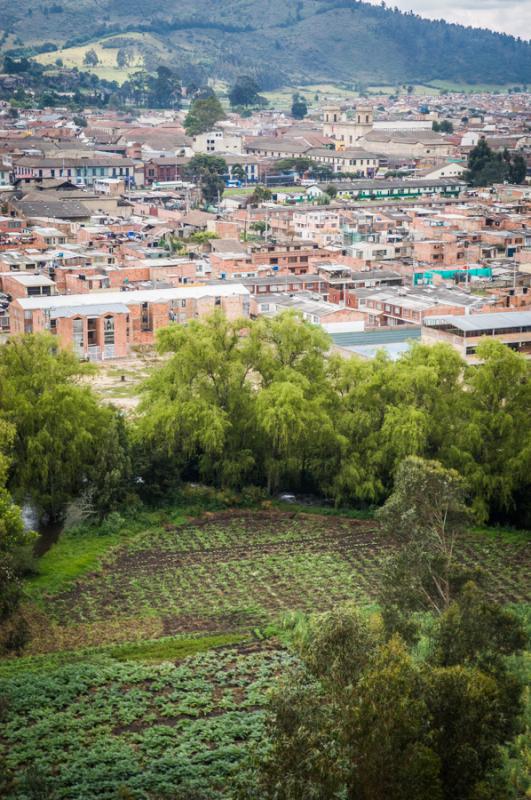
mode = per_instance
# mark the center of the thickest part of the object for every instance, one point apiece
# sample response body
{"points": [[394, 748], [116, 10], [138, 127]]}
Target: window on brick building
{"points": [[108, 330], [92, 331], [145, 317], [77, 334]]}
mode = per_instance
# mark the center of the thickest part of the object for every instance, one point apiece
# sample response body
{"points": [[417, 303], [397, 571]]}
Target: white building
{"points": [[217, 142]]}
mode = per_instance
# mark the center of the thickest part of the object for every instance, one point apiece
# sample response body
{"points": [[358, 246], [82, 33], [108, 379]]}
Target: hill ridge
{"points": [[283, 42]]}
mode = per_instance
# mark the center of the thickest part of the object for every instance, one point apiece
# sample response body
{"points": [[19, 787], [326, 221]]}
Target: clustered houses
{"points": [[104, 239]]}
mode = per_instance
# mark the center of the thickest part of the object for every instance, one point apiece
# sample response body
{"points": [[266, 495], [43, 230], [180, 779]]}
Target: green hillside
{"points": [[279, 42]]}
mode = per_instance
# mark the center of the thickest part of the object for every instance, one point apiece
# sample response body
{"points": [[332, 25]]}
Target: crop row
{"points": [[91, 728]]}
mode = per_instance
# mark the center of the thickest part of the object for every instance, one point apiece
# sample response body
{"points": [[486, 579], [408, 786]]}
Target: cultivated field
{"points": [[231, 571], [155, 641], [100, 727]]}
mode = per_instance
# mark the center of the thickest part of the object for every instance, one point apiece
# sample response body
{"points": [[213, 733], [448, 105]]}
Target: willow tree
{"points": [[197, 416], [390, 410], [15, 544], [300, 442], [296, 404], [64, 436], [492, 449]]}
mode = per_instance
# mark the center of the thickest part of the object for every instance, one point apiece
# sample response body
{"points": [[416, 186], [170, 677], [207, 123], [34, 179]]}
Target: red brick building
{"points": [[105, 324]]}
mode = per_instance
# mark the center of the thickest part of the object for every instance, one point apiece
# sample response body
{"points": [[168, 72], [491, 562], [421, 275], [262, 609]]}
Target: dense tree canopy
{"points": [[203, 115], [245, 92], [199, 407], [445, 126], [359, 717], [15, 543], [263, 403], [208, 172], [261, 194], [66, 442], [291, 417], [299, 108], [486, 167]]}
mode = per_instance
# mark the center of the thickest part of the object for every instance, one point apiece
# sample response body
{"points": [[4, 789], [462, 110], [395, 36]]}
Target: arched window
{"points": [[108, 329]]}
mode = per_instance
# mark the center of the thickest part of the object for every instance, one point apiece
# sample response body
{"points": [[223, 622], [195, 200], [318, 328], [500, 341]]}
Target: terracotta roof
{"points": [[198, 219]]}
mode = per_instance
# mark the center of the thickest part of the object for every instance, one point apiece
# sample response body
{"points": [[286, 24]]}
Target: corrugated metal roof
{"points": [[379, 337], [88, 311], [393, 349], [483, 322], [134, 297]]}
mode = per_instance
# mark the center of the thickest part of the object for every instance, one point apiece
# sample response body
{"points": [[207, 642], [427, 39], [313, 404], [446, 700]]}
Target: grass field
{"points": [[246, 190], [154, 640], [107, 67], [119, 383]]}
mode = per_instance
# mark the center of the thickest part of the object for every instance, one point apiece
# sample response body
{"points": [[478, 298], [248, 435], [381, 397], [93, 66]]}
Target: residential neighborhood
{"points": [[106, 235]]}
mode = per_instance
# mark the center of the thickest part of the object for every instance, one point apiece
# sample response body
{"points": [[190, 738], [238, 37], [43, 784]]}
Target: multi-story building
{"points": [[391, 306], [84, 170], [391, 189], [321, 226], [106, 324], [465, 332], [20, 284], [164, 169], [337, 124], [217, 141], [351, 160]]}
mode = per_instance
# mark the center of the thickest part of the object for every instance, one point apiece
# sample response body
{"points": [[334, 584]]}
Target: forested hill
{"points": [[279, 40]]}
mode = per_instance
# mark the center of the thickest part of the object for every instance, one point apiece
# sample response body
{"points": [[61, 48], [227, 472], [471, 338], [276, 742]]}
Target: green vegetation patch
{"points": [[232, 570], [171, 648], [91, 729]]}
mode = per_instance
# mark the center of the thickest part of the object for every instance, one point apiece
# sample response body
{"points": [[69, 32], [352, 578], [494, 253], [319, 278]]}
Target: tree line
{"points": [[273, 409], [264, 403]]}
